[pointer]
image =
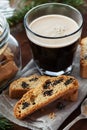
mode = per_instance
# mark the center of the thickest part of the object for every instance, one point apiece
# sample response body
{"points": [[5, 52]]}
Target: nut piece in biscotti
{"points": [[20, 86], [83, 58], [7, 71], [48, 90]]}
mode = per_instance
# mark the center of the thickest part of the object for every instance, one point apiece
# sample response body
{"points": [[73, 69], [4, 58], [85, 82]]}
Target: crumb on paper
{"points": [[52, 115]]}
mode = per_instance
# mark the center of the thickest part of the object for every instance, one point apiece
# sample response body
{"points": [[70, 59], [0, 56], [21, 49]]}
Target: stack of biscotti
{"points": [[8, 67], [83, 58], [47, 90]]}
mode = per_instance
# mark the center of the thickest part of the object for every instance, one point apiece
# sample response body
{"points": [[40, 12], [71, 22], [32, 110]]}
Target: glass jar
{"points": [[10, 54]]}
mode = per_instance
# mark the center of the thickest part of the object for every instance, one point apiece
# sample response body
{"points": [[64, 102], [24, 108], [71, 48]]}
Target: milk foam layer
{"points": [[53, 26]]}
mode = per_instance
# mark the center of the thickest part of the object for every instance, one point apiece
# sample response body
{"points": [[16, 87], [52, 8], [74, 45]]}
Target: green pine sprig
{"points": [[75, 3], [19, 14], [5, 124]]}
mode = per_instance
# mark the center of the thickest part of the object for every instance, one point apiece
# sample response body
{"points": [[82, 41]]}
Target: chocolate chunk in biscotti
{"points": [[41, 96], [48, 92], [24, 105], [67, 82], [24, 84]]}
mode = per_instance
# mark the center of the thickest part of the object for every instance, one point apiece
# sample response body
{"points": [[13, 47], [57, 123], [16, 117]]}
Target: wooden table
{"points": [[20, 35]]}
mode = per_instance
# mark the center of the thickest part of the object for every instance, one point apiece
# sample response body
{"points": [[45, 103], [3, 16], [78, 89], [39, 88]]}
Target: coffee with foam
{"points": [[54, 31], [53, 26], [54, 40]]}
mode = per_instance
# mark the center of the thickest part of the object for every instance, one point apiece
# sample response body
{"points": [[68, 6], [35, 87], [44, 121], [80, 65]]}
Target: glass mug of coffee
{"points": [[54, 31]]}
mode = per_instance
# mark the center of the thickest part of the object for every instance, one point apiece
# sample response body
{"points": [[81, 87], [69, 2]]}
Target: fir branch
{"points": [[5, 124], [74, 3], [19, 14]]}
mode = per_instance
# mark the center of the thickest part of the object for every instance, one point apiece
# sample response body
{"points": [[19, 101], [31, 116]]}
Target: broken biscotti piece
{"points": [[20, 86], [48, 90], [83, 58]]}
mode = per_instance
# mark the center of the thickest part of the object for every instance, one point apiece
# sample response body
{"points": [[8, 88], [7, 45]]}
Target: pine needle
{"points": [[28, 4], [5, 124]]}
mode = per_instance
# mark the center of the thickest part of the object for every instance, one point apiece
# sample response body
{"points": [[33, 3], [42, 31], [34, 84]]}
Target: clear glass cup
{"points": [[10, 54], [53, 53]]}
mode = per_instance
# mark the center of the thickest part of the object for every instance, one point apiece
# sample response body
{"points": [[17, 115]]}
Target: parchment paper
{"points": [[41, 120]]}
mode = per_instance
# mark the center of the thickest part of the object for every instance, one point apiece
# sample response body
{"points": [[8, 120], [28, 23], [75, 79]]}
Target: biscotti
{"points": [[20, 86], [8, 67], [83, 58], [46, 92], [7, 71]]}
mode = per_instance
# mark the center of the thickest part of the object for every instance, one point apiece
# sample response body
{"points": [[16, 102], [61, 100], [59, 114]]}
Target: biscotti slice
{"points": [[83, 58], [7, 71], [20, 86], [46, 92]]}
